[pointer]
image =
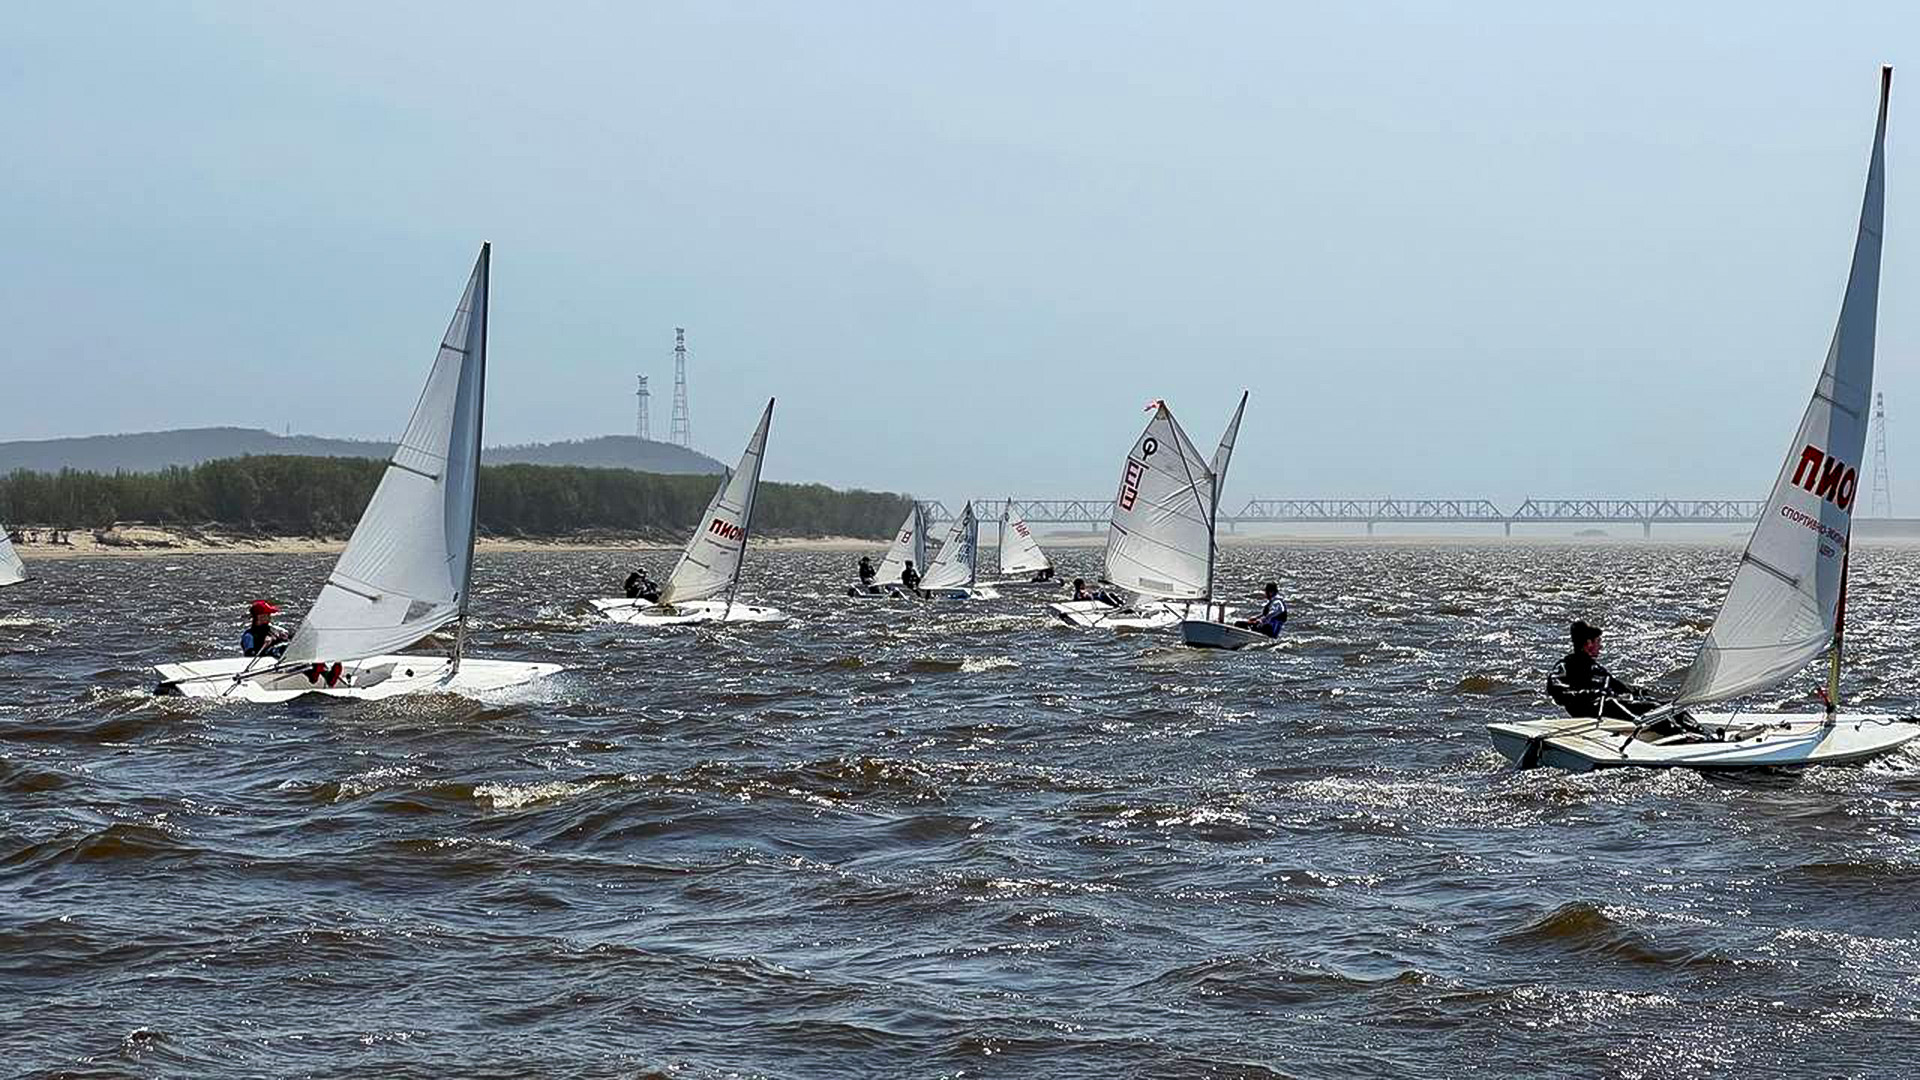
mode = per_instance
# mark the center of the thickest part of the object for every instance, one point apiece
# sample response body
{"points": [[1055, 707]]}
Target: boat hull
{"points": [[647, 613], [1208, 634], [1754, 741], [1095, 615], [371, 679]]}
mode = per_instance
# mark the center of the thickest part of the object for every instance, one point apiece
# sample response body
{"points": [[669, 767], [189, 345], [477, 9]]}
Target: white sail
{"points": [[1020, 553], [12, 570], [956, 567], [1784, 606], [1159, 541], [909, 544], [710, 563], [406, 569], [1223, 454]]}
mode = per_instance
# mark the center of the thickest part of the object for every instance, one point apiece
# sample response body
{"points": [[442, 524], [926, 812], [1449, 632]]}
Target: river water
{"points": [[890, 841]]}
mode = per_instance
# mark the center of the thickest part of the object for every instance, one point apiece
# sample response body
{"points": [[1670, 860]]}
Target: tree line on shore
{"points": [[323, 496]]}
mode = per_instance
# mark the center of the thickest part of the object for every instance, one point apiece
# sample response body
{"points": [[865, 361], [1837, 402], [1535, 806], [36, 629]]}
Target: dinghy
{"points": [[1160, 536], [1209, 631], [12, 570], [1786, 605], [955, 571], [709, 566], [909, 545], [1020, 553], [407, 571]]}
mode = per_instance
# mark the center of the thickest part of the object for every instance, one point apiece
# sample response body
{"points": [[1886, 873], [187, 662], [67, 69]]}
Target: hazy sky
{"points": [[1453, 249]]}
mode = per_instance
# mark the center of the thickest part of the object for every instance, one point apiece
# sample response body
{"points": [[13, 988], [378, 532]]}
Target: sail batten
{"points": [[710, 563], [411, 554], [1783, 607]]}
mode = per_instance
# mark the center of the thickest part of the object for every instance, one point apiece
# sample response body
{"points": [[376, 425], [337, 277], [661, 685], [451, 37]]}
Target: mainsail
{"points": [[1784, 606], [1160, 539], [710, 564], [12, 570], [407, 567], [1020, 553], [909, 545], [1222, 457], [955, 566]]}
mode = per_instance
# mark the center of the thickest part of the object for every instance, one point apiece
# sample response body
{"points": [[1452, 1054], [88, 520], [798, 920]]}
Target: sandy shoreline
{"points": [[145, 542]]}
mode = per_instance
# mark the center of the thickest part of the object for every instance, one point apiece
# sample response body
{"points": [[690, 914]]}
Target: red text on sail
{"points": [[1826, 476]]}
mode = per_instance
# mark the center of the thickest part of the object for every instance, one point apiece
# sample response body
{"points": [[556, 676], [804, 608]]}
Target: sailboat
{"points": [[955, 573], [709, 565], [407, 571], [1208, 632], [12, 570], [909, 546], [1160, 539], [1786, 605], [1021, 554]]}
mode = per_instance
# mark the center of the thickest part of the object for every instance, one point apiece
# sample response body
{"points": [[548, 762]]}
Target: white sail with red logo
{"points": [[909, 545], [710, 563], [1020, 553], [12, 570], [956, 567], [1786, 603], [1160, 538]]}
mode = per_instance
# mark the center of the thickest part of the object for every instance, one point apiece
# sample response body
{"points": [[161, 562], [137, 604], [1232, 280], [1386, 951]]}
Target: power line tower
{"points": [[1882, 505], [643, 416], [682, 434]]}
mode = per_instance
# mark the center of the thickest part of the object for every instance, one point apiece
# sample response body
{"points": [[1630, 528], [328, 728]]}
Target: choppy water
{"points": [[888, 842]]}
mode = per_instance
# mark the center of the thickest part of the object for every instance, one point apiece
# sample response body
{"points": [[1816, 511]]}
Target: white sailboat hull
{"points": [[370, 680], [1752, 740], [1208, 634], [1021, 583], [648, 613]]}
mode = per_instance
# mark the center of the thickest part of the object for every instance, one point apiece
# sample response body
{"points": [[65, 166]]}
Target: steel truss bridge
{"points": [[1646, 513]]}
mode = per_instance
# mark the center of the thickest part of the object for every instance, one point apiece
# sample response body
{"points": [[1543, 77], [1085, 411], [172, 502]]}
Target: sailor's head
{"points": [[1272, 590], [865, 559], [262, 610], [1079, 583], [1586, 638]]}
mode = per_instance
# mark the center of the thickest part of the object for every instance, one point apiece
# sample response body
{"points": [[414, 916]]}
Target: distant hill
{"points": [[150, 451]]}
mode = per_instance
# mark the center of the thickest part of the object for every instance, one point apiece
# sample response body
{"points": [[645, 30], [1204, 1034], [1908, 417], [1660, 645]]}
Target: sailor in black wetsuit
{"points": [[866, 571], [641, 587], [910, 578], [1579, 682], [261, 636]]}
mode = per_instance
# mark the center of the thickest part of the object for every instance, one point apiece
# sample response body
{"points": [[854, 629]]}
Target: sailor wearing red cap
{"points": [[262, 637]]}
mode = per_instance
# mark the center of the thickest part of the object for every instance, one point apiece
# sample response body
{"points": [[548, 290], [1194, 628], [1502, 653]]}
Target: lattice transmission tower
{"points": [[682, 433], [643, 415], [1882, 504]]}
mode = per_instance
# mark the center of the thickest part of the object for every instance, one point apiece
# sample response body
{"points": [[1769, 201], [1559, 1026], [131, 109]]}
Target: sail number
{"points": [[1826, 476], [727, 529]]}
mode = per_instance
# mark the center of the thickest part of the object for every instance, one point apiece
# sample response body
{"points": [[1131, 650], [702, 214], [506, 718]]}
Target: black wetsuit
{"points": [[640, 587], [1579, 682], [910, 578]]}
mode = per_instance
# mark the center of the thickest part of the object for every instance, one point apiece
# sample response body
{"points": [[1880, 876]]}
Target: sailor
{"points": [[909, 577], [1579, 683], [1081, 592], [1273, 614], [1045, 575], [641, 587], [866, 573], [262, 638]]}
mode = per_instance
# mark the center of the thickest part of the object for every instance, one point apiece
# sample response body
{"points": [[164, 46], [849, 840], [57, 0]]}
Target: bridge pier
{"points": [[1508, 526], [1369, 528], [1646, 530]]}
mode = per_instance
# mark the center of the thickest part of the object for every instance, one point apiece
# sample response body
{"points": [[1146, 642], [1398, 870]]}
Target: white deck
{"points": [[373, 679], [648, 613], [1753, 740]]}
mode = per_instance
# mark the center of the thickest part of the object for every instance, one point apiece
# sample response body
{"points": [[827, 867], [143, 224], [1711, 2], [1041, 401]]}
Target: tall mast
{"points": [[479, 419], [746, 523]]}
